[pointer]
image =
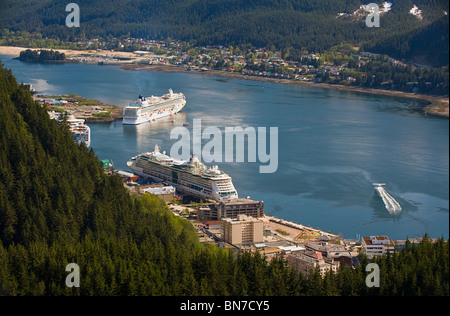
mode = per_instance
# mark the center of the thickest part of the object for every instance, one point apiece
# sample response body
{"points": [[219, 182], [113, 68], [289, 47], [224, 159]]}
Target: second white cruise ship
{"points": [[191, 177], [153, 108]]}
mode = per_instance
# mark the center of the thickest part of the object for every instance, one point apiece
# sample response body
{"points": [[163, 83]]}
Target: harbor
{"points": [[207, 218], [324, 181], [206, 196], [228, 224]]}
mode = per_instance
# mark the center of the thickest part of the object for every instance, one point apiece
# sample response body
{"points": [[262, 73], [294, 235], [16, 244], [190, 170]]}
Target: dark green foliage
{"points": [[296, 24], [427, 44], [381, 74], [41, 55], [57, 206]]}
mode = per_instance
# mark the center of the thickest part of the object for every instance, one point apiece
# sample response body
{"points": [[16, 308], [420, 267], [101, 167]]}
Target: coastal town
{"points": [[343, 67], [340, 65], [241, 225], [236, 224], [224, 154]]}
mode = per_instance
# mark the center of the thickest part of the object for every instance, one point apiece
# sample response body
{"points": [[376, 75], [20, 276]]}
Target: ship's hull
{"points": [[82, 135], [150, 116], [213, 193]]}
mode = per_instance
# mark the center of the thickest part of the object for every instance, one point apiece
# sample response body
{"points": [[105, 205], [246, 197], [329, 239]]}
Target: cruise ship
{"points": [[153, 108], [191, 177], [80, 131]]}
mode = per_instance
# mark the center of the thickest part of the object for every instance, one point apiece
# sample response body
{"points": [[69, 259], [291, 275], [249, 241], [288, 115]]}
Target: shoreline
{"points": [[433, 102], [436, 106], [15, 51], [82, 108]]}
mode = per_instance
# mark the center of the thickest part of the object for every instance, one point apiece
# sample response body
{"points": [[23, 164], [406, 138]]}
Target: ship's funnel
{"points": [[194, 161]]}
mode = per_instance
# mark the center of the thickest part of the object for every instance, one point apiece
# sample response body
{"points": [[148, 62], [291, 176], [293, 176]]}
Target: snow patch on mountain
{"points": [[362, 12], [416, 12]]}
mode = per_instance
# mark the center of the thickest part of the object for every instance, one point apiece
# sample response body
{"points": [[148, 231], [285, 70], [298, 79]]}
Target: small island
{"points": [[42, 55]]}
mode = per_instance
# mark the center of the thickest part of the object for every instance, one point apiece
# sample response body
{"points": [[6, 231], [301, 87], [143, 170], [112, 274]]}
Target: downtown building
{"points": [[377, 246], [308, 261], [230, 209], [243, 230]]}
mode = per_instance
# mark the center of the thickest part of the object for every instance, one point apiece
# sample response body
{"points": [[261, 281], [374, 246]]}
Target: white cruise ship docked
{"points": [[153, 108], [191, 177], [80, 131]]}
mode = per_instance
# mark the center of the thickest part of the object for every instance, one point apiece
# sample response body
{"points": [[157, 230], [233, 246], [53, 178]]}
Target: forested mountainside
{"points": [[425, 44], [313, 25]]}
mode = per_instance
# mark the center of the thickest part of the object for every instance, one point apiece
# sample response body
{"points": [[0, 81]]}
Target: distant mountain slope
{"points": [[427, 45], [313, 25]]}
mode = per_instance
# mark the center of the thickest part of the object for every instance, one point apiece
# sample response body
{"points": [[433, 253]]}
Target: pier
{"points": [[389, 202]]}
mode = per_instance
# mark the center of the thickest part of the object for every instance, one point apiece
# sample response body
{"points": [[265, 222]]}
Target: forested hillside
{"points": [[428, 44], [313, 25]]}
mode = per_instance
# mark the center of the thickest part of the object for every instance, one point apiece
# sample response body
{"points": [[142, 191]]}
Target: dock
{"points": [[294, 232]]}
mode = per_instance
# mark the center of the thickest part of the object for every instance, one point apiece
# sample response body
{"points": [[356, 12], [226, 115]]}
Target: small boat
{"points": [[389, 202]]}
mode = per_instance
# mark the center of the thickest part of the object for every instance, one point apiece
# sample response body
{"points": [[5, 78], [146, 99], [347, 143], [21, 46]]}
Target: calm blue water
{"points": [[332, 144]]}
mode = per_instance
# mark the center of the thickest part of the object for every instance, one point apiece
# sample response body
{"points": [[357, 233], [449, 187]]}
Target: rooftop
{"points": [[378, 240], [238, 201], [241, 219]]}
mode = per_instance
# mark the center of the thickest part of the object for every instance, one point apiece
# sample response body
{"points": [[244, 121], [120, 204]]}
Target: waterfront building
{"points": [[127, 176], [242, 230], [304, 262], [165, 193], [212, 225], [377, 246], [330, 250], [231, 209]]}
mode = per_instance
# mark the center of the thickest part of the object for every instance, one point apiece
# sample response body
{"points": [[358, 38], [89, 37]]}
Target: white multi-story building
{"points": [[377, 246]]}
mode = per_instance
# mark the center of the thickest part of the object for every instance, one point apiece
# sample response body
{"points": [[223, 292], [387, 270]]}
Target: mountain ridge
{"points": [[313, 25]]}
